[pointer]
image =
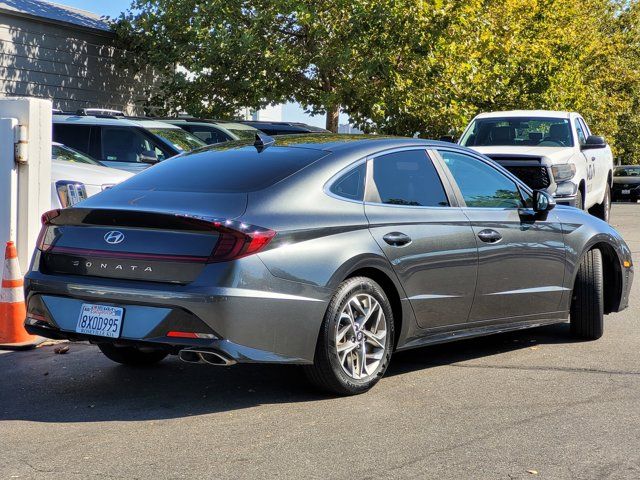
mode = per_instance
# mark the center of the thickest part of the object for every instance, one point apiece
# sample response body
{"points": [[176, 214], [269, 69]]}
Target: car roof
{"points": [[109, 120], [204, 122], [344, 143], [527, 113]]}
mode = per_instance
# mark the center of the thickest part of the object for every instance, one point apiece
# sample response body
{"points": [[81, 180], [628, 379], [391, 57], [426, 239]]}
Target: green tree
{"points": [[217, 56]]}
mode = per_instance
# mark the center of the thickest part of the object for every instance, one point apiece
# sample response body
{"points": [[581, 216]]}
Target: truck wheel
{"points": [[603, 210], [579, 200], [587, 304]]}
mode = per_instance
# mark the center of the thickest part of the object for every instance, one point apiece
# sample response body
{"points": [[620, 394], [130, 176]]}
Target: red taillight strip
{"points": [[132, 256]]}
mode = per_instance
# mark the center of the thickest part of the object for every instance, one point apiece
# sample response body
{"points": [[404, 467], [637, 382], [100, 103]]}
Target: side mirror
{"points": [[148, 156], [447, 138], [543, 202], [593, 141]]}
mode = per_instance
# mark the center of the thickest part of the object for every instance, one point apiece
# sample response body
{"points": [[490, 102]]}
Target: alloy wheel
{"points": [[361, 336]]}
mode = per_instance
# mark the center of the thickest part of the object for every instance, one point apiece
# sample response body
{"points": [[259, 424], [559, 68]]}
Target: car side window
{"points": [[126, 144], [585, 127], [480, 184], [74, 136], [407, 178], [582, 137], [351, 184], [209, 135]]}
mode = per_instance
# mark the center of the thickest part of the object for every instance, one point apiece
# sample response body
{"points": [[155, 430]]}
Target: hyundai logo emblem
{"points": [[114, 237]]}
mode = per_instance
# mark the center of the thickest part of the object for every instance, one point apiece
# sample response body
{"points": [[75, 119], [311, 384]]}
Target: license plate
{"points": [[101, 320], [626, 192]]}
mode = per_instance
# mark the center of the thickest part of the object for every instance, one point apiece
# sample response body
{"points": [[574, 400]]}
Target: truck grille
{"points": [[534, 177]]}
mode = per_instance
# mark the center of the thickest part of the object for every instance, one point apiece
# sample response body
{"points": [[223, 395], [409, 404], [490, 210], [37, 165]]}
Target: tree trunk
{"points": [[333, 115]]}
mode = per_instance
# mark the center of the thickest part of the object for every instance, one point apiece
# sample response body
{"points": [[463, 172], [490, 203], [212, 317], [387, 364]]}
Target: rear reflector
{"points": [[176, 334]]}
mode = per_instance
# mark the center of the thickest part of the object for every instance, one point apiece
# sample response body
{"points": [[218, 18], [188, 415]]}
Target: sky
{"points": [[112, 8]]}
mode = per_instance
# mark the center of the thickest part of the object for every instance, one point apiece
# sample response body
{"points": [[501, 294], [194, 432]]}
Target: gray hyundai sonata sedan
{"points": [[327, 251]]}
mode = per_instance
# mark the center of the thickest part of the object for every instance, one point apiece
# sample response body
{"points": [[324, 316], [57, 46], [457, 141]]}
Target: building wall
{"points": [[72, 66]]}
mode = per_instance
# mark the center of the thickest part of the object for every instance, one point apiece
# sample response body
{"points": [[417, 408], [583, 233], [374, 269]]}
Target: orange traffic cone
{"points": [[13, 311]]}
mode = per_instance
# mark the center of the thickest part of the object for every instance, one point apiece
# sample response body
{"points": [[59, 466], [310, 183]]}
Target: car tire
{"points": [[587, 303], [334, 369], [603, 210], [579, 200], [132, 356]]}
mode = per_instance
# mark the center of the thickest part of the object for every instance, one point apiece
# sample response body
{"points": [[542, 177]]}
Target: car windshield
{"points": [[59, 152], [518, 131], [180, 139], [627, 172]]}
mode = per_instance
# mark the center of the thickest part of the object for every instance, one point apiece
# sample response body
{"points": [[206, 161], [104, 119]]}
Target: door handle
{"points": [[489, 236], [397, 239]]}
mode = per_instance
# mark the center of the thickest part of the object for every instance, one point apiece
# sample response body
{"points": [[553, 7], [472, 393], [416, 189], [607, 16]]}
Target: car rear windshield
{"points": [[181, 140], [627, 172], [225, 169], [518, 131]]}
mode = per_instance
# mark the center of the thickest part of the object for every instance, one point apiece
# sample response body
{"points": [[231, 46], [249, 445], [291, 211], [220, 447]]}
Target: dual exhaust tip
{"points": [[202, 355]]}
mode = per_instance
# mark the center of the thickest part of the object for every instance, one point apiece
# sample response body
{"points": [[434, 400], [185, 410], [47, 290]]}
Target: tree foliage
{"points": [[397, 66]]}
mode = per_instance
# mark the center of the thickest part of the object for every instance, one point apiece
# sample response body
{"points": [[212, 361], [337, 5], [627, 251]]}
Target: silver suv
{"points": [[124, 143]]}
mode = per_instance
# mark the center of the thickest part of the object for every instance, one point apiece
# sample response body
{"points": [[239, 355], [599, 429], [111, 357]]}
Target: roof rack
{"points": [[102, 112]]}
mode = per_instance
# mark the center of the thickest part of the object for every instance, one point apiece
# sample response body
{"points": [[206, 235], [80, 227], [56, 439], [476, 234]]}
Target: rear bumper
{"points": [[252, 317]]}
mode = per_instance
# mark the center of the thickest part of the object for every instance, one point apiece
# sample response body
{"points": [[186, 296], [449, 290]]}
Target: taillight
{"points": [[239, 242], [46, 221]]}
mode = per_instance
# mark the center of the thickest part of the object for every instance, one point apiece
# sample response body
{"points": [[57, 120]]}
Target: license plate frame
{"points": [[100, 320]]}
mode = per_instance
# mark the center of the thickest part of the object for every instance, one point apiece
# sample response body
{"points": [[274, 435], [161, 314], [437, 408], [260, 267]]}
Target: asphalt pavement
{"points": [[533, 404]]}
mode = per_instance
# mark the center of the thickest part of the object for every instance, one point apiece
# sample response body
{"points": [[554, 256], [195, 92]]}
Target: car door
{"points": [[424, 234], [521, 258], [598, 166]]}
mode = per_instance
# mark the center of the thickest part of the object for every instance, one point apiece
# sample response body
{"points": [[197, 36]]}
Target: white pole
{"points": [[30, 196]]}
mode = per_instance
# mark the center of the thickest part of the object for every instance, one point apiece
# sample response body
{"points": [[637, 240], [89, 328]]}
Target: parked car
{"points": [[75, 176], [123, 143], [214, 131], [554, 151], [284, 128], [333, 253], [626, 183]]}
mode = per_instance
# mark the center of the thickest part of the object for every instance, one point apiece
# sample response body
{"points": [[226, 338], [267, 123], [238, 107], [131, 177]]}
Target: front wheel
{"points": [[356, 339], [587, 304], [131, 355], [603, 210]]}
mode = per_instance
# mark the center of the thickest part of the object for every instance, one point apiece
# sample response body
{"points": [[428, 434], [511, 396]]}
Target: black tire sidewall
{"points": [[345, 291]]}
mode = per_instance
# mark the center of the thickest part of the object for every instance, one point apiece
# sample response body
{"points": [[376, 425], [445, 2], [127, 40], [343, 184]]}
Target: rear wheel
{"points": [[356, 339], [603, 210], [131, 355], [587, 305]]}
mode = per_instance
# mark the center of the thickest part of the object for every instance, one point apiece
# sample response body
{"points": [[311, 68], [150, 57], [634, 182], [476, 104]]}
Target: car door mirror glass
{"points": [[148, 156], [542, 201], [594, 141]]}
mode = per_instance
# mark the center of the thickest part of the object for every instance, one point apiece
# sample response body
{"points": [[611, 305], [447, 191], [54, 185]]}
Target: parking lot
{"points": [[533, 404]]}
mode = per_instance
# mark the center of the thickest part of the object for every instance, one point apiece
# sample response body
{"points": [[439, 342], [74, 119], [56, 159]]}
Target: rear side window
{"points": [[225, 169], [122, 144], [407, 178], [208, 135], [351, 184], [74, 136]]}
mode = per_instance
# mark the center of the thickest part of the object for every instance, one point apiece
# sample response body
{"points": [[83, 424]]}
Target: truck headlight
{"points": [[70, 193], [563, 172]]}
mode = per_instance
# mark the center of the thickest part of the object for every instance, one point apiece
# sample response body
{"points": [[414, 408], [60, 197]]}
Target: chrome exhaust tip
{"points": [[211, 357]]}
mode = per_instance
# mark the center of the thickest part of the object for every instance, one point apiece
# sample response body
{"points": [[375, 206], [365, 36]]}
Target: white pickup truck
{"points": [[552, 151]]}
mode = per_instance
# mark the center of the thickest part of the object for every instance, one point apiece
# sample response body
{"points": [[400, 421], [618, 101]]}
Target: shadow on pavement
{"points": [[83, 386]]}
